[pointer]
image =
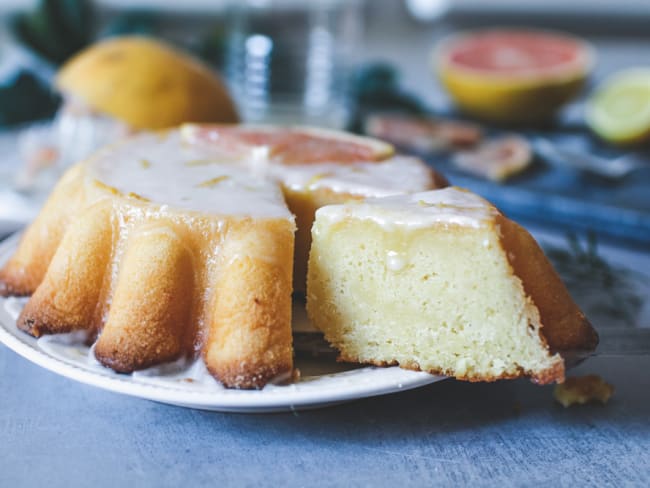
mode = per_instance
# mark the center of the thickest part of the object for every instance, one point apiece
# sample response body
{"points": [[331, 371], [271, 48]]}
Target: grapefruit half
{"points": [[513, 75]]}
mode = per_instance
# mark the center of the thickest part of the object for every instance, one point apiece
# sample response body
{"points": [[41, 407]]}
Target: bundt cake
{"points": [[180, 243], [440, 281]]}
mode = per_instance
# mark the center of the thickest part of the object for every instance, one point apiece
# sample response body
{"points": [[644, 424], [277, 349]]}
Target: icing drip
{"points": [[447, 206]]}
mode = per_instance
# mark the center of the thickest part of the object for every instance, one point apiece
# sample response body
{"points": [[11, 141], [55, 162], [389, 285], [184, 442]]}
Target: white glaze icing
{"points": [[399, 174], [392, 176], [160, 168], [175, 170], [451, 206]]}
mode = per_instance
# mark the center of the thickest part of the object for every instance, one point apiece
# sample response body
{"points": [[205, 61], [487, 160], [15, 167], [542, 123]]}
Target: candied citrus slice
{"points": [[496, 159], [619, 111], [423, 133]]}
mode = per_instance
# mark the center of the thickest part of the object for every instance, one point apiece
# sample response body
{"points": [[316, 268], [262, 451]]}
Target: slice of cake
{"points": [[440, 282]]}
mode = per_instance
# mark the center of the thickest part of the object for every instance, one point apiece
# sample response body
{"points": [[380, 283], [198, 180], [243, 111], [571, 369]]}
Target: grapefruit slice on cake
{"points": [[291, 145]]}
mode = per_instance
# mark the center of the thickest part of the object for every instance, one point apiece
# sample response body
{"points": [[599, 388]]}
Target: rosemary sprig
{"points": [[608, 294]]}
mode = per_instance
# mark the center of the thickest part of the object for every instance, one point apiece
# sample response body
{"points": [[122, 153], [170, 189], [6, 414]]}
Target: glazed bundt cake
{"points": [[440, 281], [180, 243]]}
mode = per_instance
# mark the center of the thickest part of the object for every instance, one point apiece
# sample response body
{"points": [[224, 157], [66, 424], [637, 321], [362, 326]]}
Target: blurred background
{"points": [[547, 115]]}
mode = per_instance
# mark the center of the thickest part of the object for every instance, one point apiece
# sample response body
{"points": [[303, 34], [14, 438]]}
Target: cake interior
{"points": [[440, 298]]}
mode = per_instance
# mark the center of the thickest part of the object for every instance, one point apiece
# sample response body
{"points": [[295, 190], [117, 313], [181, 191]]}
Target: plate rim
{"points": [[231, 400]]}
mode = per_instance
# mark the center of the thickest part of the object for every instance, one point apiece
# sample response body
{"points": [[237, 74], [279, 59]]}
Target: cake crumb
{"points": [[580, 390]]}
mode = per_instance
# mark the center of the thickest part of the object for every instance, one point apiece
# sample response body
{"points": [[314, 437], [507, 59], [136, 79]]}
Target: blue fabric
{"points": [[58, 433], [622, 213], [561, 196]]}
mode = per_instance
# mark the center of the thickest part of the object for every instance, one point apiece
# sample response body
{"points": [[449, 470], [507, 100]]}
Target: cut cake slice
{"points": [[441, 282]]}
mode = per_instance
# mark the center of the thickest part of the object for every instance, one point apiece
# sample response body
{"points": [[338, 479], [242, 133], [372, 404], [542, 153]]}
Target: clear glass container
{"points": [[289, 61]]}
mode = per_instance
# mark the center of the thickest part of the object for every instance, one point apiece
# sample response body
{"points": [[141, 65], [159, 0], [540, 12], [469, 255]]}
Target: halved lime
{"points": [[619, 111]]}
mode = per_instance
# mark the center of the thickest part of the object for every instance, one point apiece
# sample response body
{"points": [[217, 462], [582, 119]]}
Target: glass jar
{"points": [[288, 61]]}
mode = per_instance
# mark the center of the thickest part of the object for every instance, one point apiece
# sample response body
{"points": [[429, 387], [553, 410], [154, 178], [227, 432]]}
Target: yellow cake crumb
{"points": [[579, 390]]}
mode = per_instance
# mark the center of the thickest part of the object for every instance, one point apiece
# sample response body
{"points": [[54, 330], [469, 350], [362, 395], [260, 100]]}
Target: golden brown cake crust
{"points": [[151, 316], [564, 327], [138, 279], [249, 339], [554, 374], [67, 298], [25, 270]]}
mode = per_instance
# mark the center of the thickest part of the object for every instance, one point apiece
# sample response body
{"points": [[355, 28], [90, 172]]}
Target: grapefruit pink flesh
{"points": [[513, 76], [294, 145], [513, 52]]}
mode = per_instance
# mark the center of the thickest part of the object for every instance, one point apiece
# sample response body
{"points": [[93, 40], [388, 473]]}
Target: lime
{"points": [[619, 111]]}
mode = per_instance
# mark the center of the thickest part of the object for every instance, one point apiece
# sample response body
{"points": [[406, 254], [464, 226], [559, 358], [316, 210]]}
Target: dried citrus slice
{"points": [[513, 75], [423, 133], [496, 159], [291, 145], [619, 111]]}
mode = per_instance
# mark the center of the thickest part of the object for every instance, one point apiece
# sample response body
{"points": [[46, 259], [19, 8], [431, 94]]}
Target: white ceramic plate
{"points": [[322, 383]]}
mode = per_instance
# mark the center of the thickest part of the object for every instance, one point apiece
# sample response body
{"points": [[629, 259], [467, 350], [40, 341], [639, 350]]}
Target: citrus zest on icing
{"points": [[317, 177], [138, 197], [211, 183], [108, 188]]}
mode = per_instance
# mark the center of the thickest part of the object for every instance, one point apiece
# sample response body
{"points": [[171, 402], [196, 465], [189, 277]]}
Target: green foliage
{"points": [[133, 22], [26, 99], [376, 88], [56, 29], [212, 46]]}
